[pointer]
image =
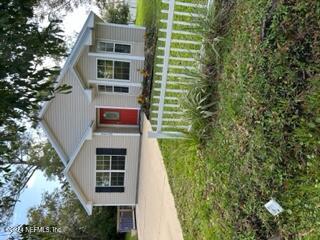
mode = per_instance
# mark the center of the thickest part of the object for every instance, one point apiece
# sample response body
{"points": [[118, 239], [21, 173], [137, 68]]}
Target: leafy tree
{"points": [[61, 209], [25, 82], [119, 13], [18, 168], [58, 8]]}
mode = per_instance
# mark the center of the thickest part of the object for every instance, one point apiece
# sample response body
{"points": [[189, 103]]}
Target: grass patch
{"points": [[147, 12], [261, 137], [147, 16], [177, 84], [129, 236], [255, 111]]}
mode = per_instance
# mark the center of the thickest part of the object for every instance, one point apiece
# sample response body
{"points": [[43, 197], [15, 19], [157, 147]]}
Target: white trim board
{"points": [[86, 136], [74, 185], [116, 56], [116, 134], [87, 205], [114, 82], [121, 25], [54, 142], [104, 106], [114, 205]]}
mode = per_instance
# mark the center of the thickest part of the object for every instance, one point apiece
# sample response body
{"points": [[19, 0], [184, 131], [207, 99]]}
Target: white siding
{"points": [[87, 67], [126, 34], [70, 114], [83, 169]]}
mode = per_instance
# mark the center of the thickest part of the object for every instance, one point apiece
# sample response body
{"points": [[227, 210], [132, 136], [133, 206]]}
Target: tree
{"points": [[18, 168], [25, 82], [61, 209], [119, 14], [58, 8]]}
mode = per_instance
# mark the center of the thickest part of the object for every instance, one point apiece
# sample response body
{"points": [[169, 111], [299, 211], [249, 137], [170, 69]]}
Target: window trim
{"points": [[110, 171], [114, 46], [113, 79]]}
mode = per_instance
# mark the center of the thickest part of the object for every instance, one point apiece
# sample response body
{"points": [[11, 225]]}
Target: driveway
{"points": [[156, 214]]}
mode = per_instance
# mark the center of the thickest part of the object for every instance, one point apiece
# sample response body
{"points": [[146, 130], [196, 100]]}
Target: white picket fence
{"points": [[168, 119]]}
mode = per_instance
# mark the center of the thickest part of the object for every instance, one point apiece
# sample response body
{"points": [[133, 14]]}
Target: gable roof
{"points": [[85, 38]]}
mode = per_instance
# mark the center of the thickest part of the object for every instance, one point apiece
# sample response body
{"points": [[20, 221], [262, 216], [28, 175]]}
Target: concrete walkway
{"points": [[156, 213]]}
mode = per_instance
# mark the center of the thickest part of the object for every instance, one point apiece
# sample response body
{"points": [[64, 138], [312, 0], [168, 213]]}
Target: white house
{"points": [[95, 128]]}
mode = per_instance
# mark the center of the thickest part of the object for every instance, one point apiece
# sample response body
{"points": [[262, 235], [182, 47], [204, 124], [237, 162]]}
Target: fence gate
{"points": [[178, 49]]}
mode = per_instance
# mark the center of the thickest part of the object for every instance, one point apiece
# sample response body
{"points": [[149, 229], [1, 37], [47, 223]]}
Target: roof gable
{"points": [[68, 71], [85, 38]]}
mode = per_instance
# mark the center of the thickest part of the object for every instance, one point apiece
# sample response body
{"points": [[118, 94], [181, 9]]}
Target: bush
{"points": [[118, 14]]}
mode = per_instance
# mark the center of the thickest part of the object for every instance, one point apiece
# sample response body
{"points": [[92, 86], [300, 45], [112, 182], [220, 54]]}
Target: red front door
{"points": [[119, 116]]}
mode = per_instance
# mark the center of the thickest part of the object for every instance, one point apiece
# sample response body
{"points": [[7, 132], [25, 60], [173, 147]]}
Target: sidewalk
{"points": [[156, 213]]}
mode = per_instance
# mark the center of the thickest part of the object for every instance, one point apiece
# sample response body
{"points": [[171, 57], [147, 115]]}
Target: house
{"points": [[95, 128]]}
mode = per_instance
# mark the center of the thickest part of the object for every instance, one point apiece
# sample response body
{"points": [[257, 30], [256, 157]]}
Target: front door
{"points": [[118, 116]]}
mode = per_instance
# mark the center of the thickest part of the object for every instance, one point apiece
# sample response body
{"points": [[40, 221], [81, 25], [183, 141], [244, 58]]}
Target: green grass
{"points": [[256, 133], [128, 236], [173, 83], [147, 12]]}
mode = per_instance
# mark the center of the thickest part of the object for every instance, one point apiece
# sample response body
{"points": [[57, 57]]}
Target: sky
{"points": [[38, 184]]}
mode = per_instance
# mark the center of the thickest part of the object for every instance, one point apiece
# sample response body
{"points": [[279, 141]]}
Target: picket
{"points": [[178, 49]]}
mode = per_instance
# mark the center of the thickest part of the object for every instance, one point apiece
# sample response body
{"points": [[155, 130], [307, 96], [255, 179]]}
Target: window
{"points": [[113, 69], [110, 169], [111, 115], [104, 88], [105, 69], [116, 89], [122, 48], [121, 70], [121, 89], [105, 46], [114, 47]]}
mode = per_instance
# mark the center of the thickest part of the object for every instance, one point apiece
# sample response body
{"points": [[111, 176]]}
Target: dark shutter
{"points": [[109, 189], [111, 151]]}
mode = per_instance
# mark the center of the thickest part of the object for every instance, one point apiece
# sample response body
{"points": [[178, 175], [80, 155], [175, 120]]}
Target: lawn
{"points": [[147, 12], [256, 132], [128, 236]]}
